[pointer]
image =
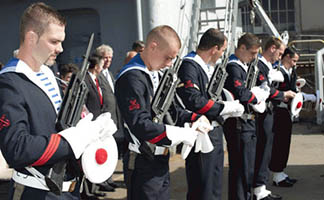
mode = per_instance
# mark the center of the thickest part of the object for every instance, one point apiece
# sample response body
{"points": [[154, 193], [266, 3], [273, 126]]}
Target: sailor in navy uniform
{"points": [[205, 170], [134, 89], [282, 123], [240, 132], [29, 102], [29, 105], [272, 52]]}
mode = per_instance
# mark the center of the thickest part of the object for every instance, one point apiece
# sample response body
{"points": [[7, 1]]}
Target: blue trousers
{"points": [[241, 144], [150, 179], [282, 128], [264, 148], [205, 170]]}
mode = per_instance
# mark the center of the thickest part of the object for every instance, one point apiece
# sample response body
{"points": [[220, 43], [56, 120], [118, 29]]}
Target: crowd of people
{"points": [[255, 121]]}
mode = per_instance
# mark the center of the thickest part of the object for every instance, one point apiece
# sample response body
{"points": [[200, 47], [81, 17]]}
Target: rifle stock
{"points": [[68, 116]]}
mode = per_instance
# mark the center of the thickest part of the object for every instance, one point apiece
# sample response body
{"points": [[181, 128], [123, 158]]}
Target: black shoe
{"points": [[283, 183], [112, 183], [270, 197], [99, 194], [293, 180], [106, 187]]}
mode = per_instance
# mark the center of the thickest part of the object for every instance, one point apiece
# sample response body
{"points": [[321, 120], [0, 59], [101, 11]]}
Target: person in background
{"points": [[95, 101], [108, 85], [282, 122], [138, 46], [66, 72], [29, 103]]}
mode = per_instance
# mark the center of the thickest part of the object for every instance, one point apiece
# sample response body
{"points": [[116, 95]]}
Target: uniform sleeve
{"points": [[19, 145], [191, 93], [263, 77], [131, 93], [181, 115], [235, 83]]}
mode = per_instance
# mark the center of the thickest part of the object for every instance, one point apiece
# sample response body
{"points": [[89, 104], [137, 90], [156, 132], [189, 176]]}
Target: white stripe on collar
{"points": [[240, 63], [207, 68], [155, 81], [288, 72], [267, 63], [23, 68]]}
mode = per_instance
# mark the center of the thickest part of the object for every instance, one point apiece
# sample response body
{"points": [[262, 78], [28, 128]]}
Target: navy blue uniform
{"points": [[282, 125], [134, 91], [27, 129], [240, 135], [264, 130], [204, 170]]}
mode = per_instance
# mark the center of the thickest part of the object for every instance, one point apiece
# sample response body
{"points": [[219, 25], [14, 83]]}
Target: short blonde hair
{"points": [[163, 34]]}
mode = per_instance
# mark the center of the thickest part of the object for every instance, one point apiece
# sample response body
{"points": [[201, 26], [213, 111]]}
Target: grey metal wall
{"points": [[113, 21]]}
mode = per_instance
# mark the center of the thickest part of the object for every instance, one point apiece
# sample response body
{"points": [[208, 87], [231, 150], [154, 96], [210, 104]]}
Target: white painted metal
{"points": [[319, 65]]}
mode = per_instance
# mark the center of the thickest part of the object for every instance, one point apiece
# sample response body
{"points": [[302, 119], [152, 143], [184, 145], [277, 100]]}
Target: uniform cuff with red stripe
{"points": [[49, 151], [251, 99], [275, 94], [207, 107], [158, 138]]}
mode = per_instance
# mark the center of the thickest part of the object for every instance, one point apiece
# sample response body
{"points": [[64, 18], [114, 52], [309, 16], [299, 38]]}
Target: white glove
{"points": [[232, 109], [203, 143], [178, 134], [87, 131], [275, 75], [309, 97], [261, 93]]}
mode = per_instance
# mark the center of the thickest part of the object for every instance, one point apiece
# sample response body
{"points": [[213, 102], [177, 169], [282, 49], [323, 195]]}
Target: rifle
{"points": [[68, 116], [217, 81], [251, 77], [252, 74], [216, 84], [165, 92]]}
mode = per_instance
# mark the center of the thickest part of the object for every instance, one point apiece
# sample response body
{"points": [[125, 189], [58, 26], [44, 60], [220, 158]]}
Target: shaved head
{"points": [[164, 36]]}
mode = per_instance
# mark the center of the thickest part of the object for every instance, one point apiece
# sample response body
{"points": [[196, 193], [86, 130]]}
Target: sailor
{"points": [[148, 158], [272, 52], [205, 170], [282, 122], [240, 131], [29, 103]]}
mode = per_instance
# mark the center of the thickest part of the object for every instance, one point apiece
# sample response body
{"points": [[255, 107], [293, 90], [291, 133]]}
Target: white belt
{"points": [[158, 149], [282, 105], [32, 181]]}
